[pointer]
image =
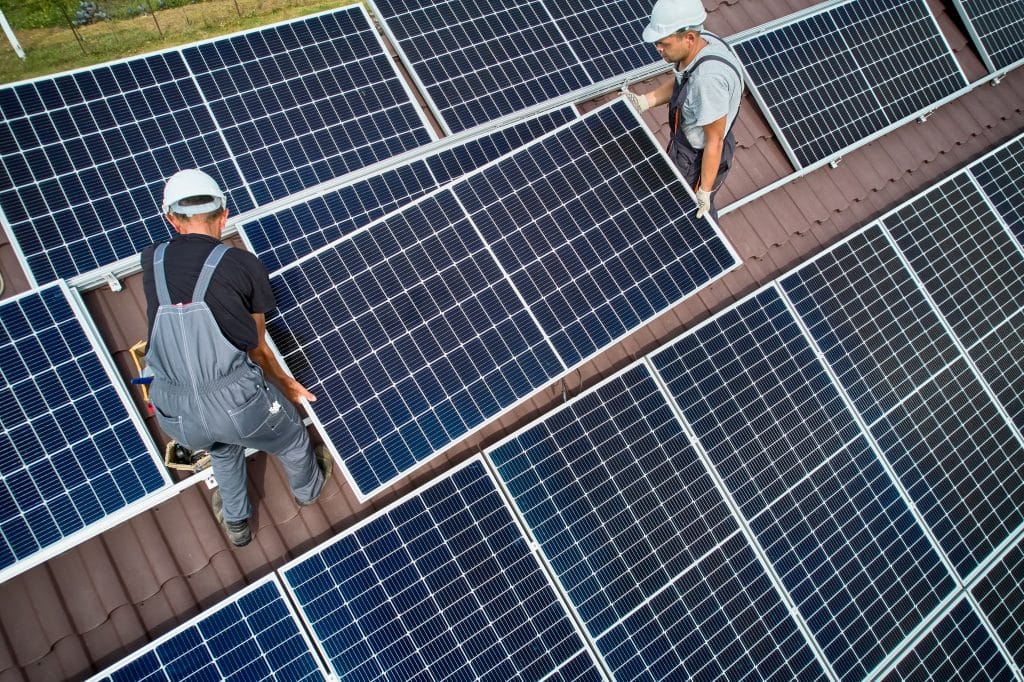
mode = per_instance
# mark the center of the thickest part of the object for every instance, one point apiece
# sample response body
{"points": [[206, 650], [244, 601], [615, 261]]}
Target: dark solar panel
{"points": [[306, 101], [1000, 594], [253, 635], [997, 27], [958, 647], [85, 156], [605, 34], [1000, 359], [439, 585], [72, 451], [642, 542], [1001, 176], [831, 79], [296, 230], [968, 262]]}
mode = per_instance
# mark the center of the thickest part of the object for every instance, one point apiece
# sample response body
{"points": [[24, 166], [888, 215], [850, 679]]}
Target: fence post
{"points": [[74, 29], [11, 37]]}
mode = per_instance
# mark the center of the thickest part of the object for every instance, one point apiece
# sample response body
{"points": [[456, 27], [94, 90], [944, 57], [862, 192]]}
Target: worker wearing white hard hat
{"points": [[703, 98]]}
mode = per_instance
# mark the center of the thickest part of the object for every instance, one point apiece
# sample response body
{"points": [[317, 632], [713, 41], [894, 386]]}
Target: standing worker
{"points": [[209, 357], [703, 99]]}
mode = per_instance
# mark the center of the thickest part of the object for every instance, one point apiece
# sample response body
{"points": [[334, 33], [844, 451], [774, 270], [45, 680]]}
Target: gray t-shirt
{"points": [[714, 91]]}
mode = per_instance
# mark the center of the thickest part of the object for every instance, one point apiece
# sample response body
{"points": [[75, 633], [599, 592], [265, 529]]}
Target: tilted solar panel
{"points": [[836, 77], [834, 528], [642, 542], [997, 27], [296, 230], [1001, 176], [73, 456], [1000, 594], [439, 585], [605, 34], [1000, 359], [252, 635], [85, 156], [423, 326]]}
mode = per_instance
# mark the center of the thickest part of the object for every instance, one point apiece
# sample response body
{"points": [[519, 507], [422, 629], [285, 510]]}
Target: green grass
{"points": [[51, 49]]}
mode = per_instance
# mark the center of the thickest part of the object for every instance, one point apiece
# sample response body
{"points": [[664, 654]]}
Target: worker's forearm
{"points": [[265, 358], [709, 165], [661, 94]]}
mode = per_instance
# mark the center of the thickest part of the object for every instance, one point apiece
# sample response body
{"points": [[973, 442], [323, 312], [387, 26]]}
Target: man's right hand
{"points": [[639, 102]]}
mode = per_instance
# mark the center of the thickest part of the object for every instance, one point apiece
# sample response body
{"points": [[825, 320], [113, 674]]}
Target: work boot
{"points": [[326, 465], [238, 531]]}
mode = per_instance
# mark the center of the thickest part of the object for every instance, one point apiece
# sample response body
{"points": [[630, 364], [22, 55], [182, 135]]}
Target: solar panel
{"points": [[479, 61], [957, 648], [642, 542], [834, 78], [72, 452], [85, 156], [1000, 359], [252, 635], [306, 101], [1000, 594], [1001, 176], [997, 28], [831, 523], [284, 236], [967, 261], [412, 333], [439, 585]]}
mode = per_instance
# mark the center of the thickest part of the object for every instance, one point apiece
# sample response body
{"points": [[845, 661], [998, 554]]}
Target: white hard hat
{"points": [[668, 16], [192, 182]]}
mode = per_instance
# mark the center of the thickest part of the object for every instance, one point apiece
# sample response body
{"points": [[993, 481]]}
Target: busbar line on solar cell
{"points": [[297, 229], [409, 335], [302, 102], [959, 647], [253, 635], [966, 260], [1000, 596], [85, 155], [595, 230], [441, 584], [997, 29], [73, 455], [836, 78], [822, 506], [642, 542], [1001, 177]]}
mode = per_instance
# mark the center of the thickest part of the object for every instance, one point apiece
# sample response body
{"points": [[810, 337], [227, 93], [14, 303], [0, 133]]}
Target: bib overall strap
{"points": [[206, 274], [163, 297]]}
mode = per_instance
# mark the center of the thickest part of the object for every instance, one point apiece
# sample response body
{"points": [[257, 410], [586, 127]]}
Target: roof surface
{"points": [[85, 609]]}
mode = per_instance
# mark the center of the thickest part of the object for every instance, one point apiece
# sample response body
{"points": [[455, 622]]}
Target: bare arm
{"points": [[661, 94], [714, 142], [265, 358]]}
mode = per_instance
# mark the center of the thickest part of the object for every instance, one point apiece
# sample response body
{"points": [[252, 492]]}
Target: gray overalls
{"points": [[207, 394]]}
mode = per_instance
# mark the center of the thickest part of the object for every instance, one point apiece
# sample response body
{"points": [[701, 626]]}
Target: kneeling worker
{"points": [[703, 99], [209, 357]]}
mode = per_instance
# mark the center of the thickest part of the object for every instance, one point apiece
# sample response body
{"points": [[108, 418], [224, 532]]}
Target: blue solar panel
{"points": [[958, 647], [439, 585], [412, 335], [1001, 176], [642, 542], [1000, 594], [828, 517], [969, 264], [284, 236], [605, 34], [1000, 359], [306, 101], [595, 229], [253, 635], [838, 76], [997, 27], [71, 453], [85, 156]]}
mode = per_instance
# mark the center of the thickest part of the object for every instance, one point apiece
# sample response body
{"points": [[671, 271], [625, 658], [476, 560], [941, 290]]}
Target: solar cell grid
{"points": [[957, 648], [70, 453], [997, 27], [605, 34], [1000, 359], [967, 261], [871, 321], [440, 585], [1001, 176], [252, 635], [1000, 594], [833, 78]]}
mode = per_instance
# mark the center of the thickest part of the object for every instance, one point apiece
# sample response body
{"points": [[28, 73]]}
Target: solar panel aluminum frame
{"points": [[979, 42], [311, 408], [510, 507], [128, 511], [208, 612], [774, 124]]}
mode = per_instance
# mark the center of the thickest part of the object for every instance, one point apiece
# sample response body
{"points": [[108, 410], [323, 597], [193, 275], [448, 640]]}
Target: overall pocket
{"points": [[265, 414]]}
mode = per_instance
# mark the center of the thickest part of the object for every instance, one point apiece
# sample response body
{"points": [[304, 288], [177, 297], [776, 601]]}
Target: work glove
{"points": [[639, 102], [703, 202]]}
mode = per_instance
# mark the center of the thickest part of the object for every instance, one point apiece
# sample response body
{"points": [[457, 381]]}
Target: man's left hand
{"points": [[703, 202]]}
